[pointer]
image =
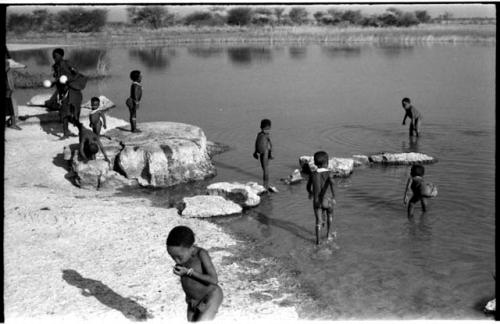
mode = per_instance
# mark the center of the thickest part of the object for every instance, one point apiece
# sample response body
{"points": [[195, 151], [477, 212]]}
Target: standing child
{"points": [[198, 275], [414, 115], [263, 150], [134, 99], [319, 182], [420, 189], [96, 115]]}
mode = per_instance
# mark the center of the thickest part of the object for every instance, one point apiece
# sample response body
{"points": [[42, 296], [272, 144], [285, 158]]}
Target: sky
{"points": [[117, 12]]}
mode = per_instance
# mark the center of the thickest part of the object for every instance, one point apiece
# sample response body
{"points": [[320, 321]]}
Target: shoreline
{"points": [[180, 35], [101, 254]]}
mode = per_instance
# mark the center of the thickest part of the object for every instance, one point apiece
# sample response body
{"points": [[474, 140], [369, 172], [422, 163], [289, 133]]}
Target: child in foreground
{"points": [[96, 115], [412, 113], [198, 275], [319, 182], [263, 150], [420, 189], [134, 99]]}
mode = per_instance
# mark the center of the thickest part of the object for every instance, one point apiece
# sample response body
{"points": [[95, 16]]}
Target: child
{"points": [[412, 113], [198, 276], [319, 182], [89, 143], [263, 148], [421, 190], [134, 99], [64, 110], [96, 115]]}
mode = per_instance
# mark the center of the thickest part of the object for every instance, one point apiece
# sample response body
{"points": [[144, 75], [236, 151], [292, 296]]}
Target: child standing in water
{"points": [[198, 275], [96, 115], [263, 150], [412, 113], [134, 99], [420, 189], [319, 182]]}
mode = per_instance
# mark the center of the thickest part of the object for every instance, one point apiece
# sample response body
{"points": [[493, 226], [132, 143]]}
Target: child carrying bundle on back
{"points": [[420, 188]]}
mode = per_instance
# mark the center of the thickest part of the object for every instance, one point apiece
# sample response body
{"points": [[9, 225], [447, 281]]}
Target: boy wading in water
{"points": [[134, 99], [198, 275], [414, 115], [263, 150], [319, 182], [420, 189]]}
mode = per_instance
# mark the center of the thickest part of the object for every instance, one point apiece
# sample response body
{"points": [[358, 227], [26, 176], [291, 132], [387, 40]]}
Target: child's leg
{"points": [[96, 128], [212, 305], [411, 208], [191, 313], [329, 225], [264, 163], [423, 202], [411, 128], [317, 214], [416, 126]]}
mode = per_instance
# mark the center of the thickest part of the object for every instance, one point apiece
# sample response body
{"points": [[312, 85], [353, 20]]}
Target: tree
{"points": [[240, 16], [150, 16], [422, 16], [408, 19], [298, 15], [352, 16], [80, 20], [278, 12], [19, 23]]}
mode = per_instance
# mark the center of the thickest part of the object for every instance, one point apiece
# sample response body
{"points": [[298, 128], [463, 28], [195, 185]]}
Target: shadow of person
{"points": [[286, 225], [90, 287], [59, 161], [52, 128]]}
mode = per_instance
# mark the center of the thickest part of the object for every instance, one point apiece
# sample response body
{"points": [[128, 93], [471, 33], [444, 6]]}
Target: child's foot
{"points": [[136, 131]]}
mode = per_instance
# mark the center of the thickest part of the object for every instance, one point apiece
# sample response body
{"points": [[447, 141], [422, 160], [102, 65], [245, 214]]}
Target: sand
{"points": [[75, 255]]}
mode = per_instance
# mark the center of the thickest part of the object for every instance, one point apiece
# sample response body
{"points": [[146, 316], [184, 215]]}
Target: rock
{"points": [[341, 167], [209, 206], [491, 306], [294, 178], [215, 148], [246, 195], [39, 100], [15, 65], [401, 158], [360, 160], [89, 175], [163, 154], [104, 104]]}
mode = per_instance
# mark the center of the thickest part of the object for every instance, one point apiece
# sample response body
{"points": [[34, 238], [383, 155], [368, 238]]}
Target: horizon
{"points": [[118, 12]]}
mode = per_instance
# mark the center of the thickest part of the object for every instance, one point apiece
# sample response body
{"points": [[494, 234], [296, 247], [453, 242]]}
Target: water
{"points": [[344, 100]]}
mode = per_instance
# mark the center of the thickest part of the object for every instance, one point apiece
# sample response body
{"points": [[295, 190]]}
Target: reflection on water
{"points": [[153, 57], [396, 50], [246, 55], [411, 145], [341, 51], [205, 52], [297, 52], [39, 57], [87, 59]]}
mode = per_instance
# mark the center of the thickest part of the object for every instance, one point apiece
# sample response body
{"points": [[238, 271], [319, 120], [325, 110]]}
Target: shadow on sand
{"points": [[90, 287]]}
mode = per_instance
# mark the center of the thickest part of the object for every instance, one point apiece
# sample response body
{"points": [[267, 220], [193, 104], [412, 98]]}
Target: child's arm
{"points": [[82, 152], [405, 198], [206, 262], [255, 154], [103, 115], [404, 118], [270, 155]]}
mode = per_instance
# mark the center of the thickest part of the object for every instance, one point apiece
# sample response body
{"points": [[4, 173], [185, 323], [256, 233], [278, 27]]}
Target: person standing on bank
{"points": [[134, 99]]}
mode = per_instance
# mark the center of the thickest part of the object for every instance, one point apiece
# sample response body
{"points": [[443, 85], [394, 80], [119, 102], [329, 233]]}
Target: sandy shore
{"points": [[87, 256]]}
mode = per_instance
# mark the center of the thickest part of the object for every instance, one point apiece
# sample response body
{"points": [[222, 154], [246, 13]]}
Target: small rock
{"points": [[401, 158], [341, 167], [209, 206], [246, 195]]}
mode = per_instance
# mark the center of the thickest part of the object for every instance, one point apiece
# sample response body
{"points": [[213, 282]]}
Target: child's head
{"points": [[58, 54], [135, 76], [94, 103], [406, 102], [417, 170], [93, 148], [180, 242], [321, 159], [265, 124]]}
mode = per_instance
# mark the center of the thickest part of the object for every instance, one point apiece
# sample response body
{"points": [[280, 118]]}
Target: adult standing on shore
{"points": [[66, 74], [10, 101]]}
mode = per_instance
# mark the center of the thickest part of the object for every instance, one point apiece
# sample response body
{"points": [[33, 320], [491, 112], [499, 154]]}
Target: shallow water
{"points": [[344, 100]]}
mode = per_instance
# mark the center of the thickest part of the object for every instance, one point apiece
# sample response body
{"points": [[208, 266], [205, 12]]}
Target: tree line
{"points": [[153, 17]]}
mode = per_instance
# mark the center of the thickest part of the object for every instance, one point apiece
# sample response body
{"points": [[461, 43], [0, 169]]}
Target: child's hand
{"points": [[403, 123], [180, 270], [255, 156]]}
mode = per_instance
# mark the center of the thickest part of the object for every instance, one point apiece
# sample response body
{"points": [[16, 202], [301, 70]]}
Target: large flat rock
{"points": [[246, 195], [162, 155], [401, 158], [204, 206], [341, 167]]}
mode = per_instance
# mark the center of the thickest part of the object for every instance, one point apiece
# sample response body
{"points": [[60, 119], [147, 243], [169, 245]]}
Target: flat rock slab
{"points": [[163, 154], [246, 195], [341, 167], [204, 206], [401, 158]]}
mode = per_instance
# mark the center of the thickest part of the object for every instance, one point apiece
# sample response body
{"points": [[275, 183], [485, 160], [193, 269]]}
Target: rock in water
{"points": [[163, 154], [491, 306], [246, 195], [401, 158], [341, 167], [209, 206]]}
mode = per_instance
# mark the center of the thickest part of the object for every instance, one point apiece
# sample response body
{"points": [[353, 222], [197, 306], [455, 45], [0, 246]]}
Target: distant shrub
{"points": [[240, 16], [19, 23], [81, 20], [202, 18], [422, 16], [150, 16], [298, 15]]}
